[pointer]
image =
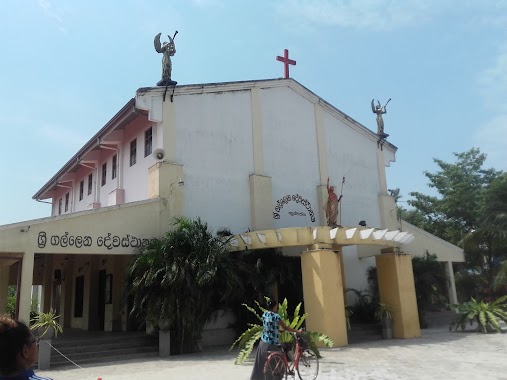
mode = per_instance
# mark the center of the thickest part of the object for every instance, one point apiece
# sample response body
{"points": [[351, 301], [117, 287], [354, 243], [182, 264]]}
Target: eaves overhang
{"points": [[121, 119]]}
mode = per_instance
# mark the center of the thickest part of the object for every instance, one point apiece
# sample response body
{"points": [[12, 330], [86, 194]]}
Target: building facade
{"points": [[246, 156]]}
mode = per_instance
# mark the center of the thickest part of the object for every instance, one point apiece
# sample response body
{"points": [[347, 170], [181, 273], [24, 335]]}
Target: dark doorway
{"points": [[101, 299]]}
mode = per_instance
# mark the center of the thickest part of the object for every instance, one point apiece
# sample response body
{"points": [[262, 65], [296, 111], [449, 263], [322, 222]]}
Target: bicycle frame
{"points": [[290, 366]]}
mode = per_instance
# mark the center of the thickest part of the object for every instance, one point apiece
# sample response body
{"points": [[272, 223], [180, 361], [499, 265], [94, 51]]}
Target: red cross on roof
{"points": [[286, 62]]}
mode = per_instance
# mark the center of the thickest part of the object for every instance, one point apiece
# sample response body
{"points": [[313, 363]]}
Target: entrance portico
{"points": [[322, 271], [79, 260]]}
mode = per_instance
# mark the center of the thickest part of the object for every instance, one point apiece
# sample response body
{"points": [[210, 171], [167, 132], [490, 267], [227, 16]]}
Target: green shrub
{"points": [[487, 315]]}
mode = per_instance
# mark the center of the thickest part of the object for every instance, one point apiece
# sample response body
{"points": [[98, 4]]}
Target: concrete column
{"points": [[257, 142], [44, 354], [261, 202], [397, 289], [4, 285], [68, 293], [320, 131], [47, 284], [163, 180], [449, 271], [25, 297], [118, 285], [323, 294], [168, 129]]}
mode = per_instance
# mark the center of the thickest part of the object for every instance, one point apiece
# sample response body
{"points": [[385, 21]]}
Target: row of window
{"points": [[148, 146]]}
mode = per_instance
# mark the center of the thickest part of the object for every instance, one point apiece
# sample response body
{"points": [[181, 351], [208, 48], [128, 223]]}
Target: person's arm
{"points": [[287, 328]]}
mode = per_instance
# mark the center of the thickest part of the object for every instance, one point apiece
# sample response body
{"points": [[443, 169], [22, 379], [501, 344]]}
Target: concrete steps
{"points": [[104, 348]]}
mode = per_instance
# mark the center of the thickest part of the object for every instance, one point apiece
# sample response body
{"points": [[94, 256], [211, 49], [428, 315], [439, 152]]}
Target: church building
{"points": [[253, 157]]}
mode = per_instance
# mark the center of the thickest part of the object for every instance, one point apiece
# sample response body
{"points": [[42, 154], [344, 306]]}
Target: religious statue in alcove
{"points": [[168, 49], [331, 206], [379, 110]]}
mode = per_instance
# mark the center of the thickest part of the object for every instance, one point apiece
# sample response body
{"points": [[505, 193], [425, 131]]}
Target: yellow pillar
{"points": [[397, 289], [323, 294]]}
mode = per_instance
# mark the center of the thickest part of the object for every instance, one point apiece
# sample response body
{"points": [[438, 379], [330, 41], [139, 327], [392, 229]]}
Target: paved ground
{"points": [[438, 354]]}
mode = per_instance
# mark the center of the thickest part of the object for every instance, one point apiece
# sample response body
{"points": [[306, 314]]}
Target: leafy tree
{"points": [[501, 276], [486, 245], [185, 277], [460, 186]]}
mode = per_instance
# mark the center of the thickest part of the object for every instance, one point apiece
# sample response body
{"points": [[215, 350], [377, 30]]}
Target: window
{"points": [[60, 206], [133, 151], [90, 183], [148, 138], [113, 167], [104, 173], [66, 202], [81, 190]]}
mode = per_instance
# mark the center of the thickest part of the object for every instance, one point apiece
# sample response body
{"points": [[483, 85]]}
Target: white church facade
{"points": [[246, 156]]}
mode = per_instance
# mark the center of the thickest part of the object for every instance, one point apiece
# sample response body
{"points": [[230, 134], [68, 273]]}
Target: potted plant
{"points": [[384, 314], [46, 325]]}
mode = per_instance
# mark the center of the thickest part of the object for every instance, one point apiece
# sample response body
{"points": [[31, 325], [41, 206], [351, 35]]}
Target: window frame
{"points": [[148, 142], [103, 179], [81, 190], [90, 183], [67, 201], [114, 165], [133, 152]]}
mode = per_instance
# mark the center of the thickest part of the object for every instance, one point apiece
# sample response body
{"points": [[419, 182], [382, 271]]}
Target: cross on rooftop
{"points": [[286, 62]]}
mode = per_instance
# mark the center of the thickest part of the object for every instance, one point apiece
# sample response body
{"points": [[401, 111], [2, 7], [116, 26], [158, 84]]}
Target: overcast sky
{"points": [[67, 67]]}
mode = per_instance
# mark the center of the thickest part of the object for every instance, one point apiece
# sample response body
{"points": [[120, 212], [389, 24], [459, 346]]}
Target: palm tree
{"points": [[185, 277]]}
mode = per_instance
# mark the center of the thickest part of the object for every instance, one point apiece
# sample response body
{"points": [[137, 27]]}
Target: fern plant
{"points": [[247, 340], [46, 323], [487, 315], [384, 311]]}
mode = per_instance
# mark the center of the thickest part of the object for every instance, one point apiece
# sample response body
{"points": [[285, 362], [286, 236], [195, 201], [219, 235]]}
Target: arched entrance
{"points": [[322, 272]]}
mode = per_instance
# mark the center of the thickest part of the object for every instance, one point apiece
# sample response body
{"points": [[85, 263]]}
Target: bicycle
{"points": [[305, 362]]}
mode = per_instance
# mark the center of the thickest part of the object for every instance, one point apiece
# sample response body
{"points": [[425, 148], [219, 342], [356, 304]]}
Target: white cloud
{"points": [[360, 14], [53, 13], [491, 138]]}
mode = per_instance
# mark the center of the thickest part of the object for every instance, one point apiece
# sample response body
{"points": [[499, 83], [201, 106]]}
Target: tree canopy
{"points": [[470, 210]]}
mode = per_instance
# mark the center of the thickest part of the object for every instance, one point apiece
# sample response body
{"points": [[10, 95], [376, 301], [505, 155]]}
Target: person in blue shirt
{"points": [[19, 351], [271, 320]]}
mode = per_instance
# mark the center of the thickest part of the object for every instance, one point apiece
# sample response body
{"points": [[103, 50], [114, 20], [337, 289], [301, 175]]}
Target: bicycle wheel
{"points": [[308, 366], [275, 367]]}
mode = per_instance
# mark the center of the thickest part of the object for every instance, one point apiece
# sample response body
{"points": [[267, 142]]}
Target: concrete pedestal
{"points": [[44, 354], [164, 343]]}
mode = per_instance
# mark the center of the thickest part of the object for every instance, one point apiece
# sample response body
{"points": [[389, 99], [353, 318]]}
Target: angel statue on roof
{"points": [[379, 110], [167, 49]]}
